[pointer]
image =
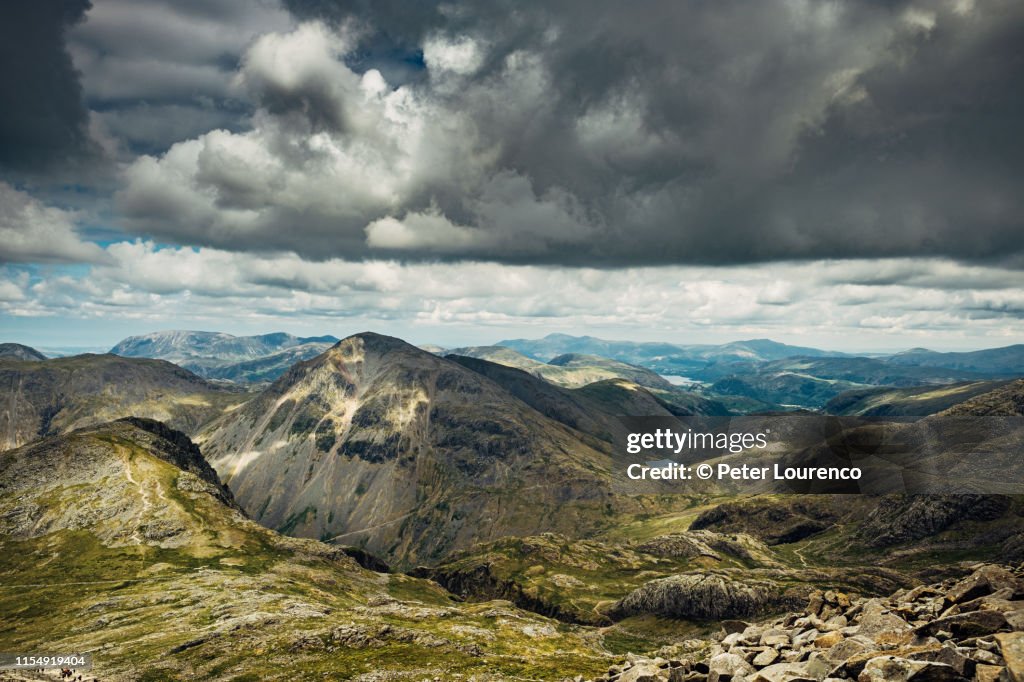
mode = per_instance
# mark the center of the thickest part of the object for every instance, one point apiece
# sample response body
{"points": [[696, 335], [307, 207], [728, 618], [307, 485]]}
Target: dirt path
{"points": [[379, 525], [144, 494]]}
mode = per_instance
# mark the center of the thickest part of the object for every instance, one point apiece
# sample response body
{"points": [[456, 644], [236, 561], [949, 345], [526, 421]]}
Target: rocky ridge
{"points": [[971, 628]]}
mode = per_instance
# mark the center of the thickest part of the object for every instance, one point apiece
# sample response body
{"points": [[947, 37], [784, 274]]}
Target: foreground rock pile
{"points": [[967, 629]]}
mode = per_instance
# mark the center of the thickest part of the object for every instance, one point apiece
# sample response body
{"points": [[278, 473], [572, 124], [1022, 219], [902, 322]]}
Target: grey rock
{"points": [[727, 665], [766, 658], [894, 669], [962, 625]]}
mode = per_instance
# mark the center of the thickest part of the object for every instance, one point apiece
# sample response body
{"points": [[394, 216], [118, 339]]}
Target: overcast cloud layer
{"points": [[726, 164], [601, 134]]}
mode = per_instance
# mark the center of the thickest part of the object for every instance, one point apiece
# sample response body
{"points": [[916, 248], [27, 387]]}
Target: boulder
{"points": [[643, 672], [988, 673], [1011, 646], [963, 625], [766, 658], [846, 649], [727, 666], [828, 640], [782, 672], [894, 669], [984, 581], [877, 620]]}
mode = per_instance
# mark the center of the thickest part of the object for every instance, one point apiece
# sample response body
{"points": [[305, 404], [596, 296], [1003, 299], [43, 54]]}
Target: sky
{"points": [[847, 175]]}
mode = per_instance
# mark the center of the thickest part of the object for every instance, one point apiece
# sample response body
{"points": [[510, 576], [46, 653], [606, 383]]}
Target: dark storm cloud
{"points": [[603, 133], [43, 121], [161, 71]]}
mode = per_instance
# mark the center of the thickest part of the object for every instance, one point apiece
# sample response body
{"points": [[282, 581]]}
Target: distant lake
{"points": [[677, 380]]}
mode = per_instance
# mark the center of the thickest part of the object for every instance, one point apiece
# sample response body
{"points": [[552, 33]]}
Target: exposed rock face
{"points": [[43, 398], [916, 523], [379, 444], [698, 543], [947, 632]]}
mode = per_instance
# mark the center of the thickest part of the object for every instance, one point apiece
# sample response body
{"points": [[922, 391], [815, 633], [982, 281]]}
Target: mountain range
{"points": [[570, 370], [216, 355], [423, 513]]}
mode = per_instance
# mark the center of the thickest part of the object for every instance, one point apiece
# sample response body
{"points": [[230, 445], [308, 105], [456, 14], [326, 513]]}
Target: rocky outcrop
{"points": [[774, 522], [899, 519], [706, 595], [966, 629]]}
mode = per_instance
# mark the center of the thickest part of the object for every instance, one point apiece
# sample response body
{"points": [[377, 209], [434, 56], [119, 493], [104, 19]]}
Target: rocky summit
{"points": [[971, 628]]}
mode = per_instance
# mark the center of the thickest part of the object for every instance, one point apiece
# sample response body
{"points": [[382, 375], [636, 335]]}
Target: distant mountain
{"points": [[917, 401], [663, 358], [381, 444], [580, 370], [267, 368], [42, 398], [995, 362], [499, 354], [570, 370], [553, 345], [224, 356], [16, 351], [813, 382]]}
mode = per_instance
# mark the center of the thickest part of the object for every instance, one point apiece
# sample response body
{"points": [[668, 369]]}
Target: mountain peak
{"points": [[379, 343], [16, 351]]}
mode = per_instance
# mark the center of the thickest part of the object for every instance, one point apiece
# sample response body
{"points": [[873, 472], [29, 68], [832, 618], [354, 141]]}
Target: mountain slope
{"points": [[381, 444], [593, 409], [918, 401], [119, 540], [16, 351], [581, 370], [219, 355], [499, 355], [52, 396], [1005, 401]]}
